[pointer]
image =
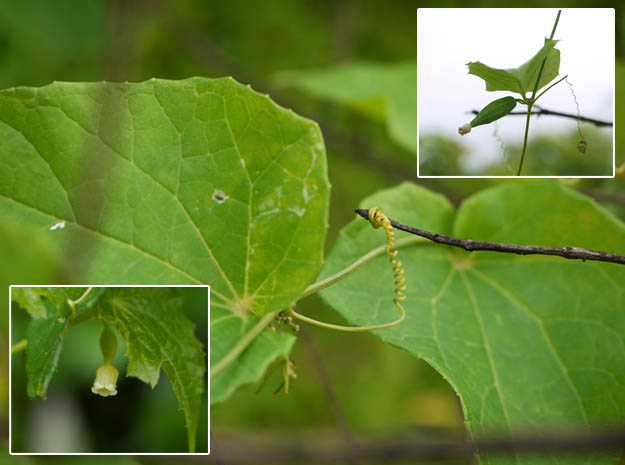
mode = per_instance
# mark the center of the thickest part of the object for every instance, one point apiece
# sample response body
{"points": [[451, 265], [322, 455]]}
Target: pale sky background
{"points": [[447, 39]]}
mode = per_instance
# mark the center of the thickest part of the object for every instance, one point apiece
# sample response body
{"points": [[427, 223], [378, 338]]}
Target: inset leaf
{"points": [[522, 79], [528, 342], [29, 299], [45, 341], [157, 334], [493, 111]]}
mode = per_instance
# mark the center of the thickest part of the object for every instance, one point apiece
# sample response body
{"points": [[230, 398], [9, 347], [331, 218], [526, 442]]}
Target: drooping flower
{"points": [[105, 383], [464, 129]]}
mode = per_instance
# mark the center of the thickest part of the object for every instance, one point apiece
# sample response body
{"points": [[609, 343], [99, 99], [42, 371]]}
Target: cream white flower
{"points": [[464, 129], [105, 381]]}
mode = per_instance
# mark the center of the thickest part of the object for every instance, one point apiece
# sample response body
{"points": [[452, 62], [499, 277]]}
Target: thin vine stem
{"points": [[242, 343], [320, 285], [73, 303], [543, 92], [348, 329], [532, 99], [527, 128]]}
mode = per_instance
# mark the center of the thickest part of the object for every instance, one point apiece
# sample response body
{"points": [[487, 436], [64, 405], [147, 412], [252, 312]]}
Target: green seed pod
{"points": [[494, 110], [108, 344]]}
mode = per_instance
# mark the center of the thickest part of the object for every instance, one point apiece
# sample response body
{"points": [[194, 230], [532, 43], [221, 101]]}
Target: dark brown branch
{"points": [[610, 197], [544, 111], [572, 253], [289, 448]]}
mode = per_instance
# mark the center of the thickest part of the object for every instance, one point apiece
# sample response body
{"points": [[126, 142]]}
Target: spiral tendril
{"points": [[582, 142], [378, 219]]}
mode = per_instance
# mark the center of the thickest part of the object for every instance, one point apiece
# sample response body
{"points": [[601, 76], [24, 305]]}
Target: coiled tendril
{"points": [[378, 219]]}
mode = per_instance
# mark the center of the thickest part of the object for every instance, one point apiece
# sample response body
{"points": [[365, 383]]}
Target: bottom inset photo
{"points": [[86, 363]]}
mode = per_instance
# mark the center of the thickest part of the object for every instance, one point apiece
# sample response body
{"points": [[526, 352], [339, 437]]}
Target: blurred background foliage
{"points": [[348, 385]]}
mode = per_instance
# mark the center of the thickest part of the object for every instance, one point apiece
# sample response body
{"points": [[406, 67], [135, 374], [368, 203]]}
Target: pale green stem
{"points": [[347, 329], [73, 303], [320, 285], [242, 343], [527, 128], [19, 346]]}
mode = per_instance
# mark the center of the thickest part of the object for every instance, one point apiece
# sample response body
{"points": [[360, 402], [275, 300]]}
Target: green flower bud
{"points": [[493, 111], [108, 344], [105, 383]]}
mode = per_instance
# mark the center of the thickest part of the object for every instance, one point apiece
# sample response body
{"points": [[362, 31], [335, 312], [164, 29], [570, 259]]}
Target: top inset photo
{"points": [[515, 92]]}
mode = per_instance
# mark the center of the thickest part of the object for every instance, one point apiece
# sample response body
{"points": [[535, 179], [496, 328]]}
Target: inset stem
{"points": [[532, 99], [74, 303], [18, 347], [527, 129]]}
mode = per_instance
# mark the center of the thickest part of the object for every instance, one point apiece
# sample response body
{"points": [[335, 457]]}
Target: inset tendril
{"points": [[582, 143]]}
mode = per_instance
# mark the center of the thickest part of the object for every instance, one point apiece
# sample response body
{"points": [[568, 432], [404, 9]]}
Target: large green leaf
{"points": [[166, 182], [527, 342], [387, 91], [29, 299], [157, 334], [523, 78]]}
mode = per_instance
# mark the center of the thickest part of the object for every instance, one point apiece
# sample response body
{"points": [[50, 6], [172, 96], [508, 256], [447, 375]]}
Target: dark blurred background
{"points": [[348, 386]]}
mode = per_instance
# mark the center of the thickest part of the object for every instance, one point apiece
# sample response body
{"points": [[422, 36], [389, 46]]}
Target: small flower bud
{"points": [[465, 129], [108, 344], [105, 381]]}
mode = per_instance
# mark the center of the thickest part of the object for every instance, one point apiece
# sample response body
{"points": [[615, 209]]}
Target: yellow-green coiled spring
{"points": [[378, 219]]}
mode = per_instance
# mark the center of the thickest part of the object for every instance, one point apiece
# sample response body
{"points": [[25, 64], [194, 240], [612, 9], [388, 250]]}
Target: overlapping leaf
{"points": [[193, 181], [527, 342], [252, 364], [386, 91]]}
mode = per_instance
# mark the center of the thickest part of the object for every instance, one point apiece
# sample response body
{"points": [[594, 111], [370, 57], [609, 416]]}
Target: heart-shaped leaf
{"points": [[527, 342]]}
